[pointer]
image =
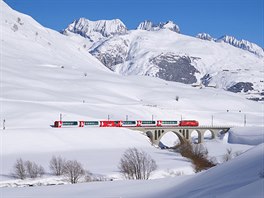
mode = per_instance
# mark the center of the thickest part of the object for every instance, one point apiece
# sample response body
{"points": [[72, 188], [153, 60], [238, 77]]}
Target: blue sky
{"points": [[240, 18]]}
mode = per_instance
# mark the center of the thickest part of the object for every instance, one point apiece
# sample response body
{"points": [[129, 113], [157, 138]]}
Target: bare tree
{"points": [[33, 170], [19, 169], [229, 155], [73, 171], [56, 165], [136, 164]]}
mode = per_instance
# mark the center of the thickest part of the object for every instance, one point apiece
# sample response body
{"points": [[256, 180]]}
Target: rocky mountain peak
{"points": [[96, 29], [204, 36], [243, 44], [150, 26]]}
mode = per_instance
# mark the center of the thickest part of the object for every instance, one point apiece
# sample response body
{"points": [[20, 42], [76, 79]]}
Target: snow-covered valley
{"points": [[45, 74]]}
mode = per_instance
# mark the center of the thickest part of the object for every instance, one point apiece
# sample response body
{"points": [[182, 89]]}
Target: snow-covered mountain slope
{"points": [[45, 73], [96, 30], [149, 26], [180, 58]]}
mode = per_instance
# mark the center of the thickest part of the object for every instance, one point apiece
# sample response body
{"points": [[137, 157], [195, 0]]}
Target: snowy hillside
{"points": [[54, 75], [45, 74]]}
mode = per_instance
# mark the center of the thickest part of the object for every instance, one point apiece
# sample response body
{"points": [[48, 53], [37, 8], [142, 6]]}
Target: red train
{"points": [[189, 123], [131, 123]]}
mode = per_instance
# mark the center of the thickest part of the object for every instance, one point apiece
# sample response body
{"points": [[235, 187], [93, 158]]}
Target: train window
{"points": [[169, 122], [129, 122], [91, 123], [148, 122], [69, 123]]}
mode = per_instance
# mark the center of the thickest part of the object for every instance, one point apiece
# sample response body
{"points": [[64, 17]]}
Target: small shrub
{"points": [[229, 155], [14, 27], [19, 21]]}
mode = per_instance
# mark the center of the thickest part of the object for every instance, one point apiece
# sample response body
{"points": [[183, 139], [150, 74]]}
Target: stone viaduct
{"points": [[183, 133]]}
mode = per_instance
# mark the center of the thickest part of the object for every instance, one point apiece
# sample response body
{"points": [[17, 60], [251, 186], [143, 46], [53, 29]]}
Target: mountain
{"points": [[96, 30], [183, 59], [149, 26], [225, 63]]}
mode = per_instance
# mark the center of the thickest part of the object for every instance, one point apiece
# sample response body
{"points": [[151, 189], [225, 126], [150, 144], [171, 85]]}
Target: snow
{"points": [[241, 135], [47, 74]]}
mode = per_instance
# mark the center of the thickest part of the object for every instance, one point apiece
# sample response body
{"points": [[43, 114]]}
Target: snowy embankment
{"points": [[239, 177], [246, 135]]}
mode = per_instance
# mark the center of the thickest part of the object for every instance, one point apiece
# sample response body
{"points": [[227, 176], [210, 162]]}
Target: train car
{"points": [[146, 123], [88, 123], [110, 123], [60, 124], [161, 123], [189, 123], [131, 123]]}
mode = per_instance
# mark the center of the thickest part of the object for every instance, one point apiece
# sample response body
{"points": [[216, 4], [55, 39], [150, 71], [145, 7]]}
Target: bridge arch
{"points": [[178, 134], [211, 132], [200, 135]]}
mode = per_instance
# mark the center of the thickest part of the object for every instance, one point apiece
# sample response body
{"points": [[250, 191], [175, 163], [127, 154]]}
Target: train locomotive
{"points": [[131, 123]]}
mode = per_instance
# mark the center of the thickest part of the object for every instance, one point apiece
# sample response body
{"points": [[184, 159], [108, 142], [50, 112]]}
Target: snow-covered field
{"points": [[45, 74]]}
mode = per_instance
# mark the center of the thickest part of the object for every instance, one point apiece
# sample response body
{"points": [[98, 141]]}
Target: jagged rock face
{"points": [[175, 68], [113, 53], [204, 36], [241, 86], [146, 25], [95, 30], [243, 44], [149, 26]]}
